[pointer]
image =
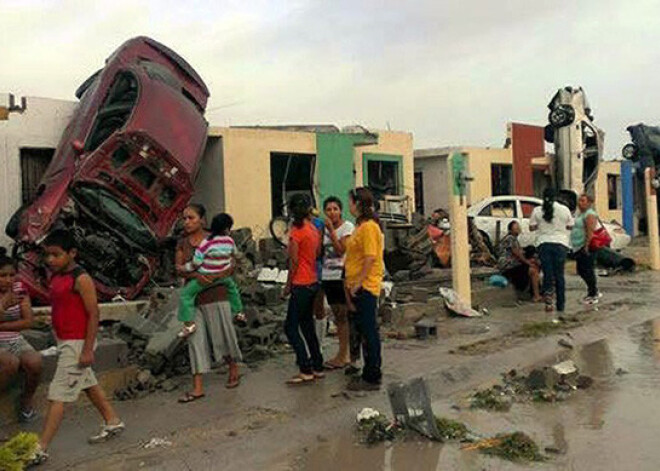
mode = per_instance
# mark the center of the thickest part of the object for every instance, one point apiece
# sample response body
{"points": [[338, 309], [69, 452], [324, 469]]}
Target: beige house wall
{"points": [[246, 166], [246, 157], [610, 167], [479, 161]]}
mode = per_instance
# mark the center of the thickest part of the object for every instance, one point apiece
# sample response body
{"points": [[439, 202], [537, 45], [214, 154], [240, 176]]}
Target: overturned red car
{"points": [[123, 170]]}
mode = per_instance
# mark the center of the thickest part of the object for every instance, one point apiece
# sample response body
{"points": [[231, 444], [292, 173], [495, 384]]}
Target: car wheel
{"points": [[629, 152], [561, 116]]}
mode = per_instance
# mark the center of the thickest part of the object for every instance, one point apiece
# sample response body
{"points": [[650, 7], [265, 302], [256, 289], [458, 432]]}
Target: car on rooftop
{"points": [[122, 172]]}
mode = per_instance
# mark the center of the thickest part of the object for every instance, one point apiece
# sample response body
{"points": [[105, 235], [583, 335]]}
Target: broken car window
{"points": [[115, 111], [101, 202], [167, 197], [161, 73], [120, 156], [144, 176]]}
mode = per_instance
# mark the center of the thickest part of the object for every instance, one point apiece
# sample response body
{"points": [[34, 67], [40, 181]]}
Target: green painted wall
{"points": [[335, 170]]}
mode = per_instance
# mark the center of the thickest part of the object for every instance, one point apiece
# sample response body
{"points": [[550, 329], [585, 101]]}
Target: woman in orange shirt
{"points": [[302, 285], [364, 274]]}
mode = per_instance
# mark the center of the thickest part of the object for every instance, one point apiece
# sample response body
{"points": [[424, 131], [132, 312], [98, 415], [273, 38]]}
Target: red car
{"points": [[122, 172]]}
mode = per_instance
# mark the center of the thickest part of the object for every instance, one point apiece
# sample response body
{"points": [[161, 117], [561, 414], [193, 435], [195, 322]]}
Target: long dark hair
{"points": [[299, 206], [366, 204], [549, 198]]}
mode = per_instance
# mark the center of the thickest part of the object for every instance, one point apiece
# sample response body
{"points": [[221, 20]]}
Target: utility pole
{"points": [[460, 241], [652, 219]]}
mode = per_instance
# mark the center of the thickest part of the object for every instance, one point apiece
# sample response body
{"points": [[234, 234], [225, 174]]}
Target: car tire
{"points": [[279, 230], [629, 152], [561, 116], [549, 134]]}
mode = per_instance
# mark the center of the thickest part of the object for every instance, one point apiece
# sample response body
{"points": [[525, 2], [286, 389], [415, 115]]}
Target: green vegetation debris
{"points": [[451, 429], [516, 446], [17, 452], [491, 399], [378, 429]]}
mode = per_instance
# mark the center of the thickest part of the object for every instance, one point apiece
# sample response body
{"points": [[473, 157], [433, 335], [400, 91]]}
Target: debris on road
{"points": [[158, 442], [517, 447], [17, 452]]}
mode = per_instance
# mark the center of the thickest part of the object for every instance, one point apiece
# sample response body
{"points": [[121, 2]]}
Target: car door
{"points": [[525, 208], [495, 217]]}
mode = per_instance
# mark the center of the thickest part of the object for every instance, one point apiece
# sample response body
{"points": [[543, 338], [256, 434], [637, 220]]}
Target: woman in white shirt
{"points": [[552, 222], [335, 233]]}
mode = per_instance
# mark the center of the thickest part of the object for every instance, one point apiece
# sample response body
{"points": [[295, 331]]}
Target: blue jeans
{"points": [[300, 318], [553, 259], [366, 307]]}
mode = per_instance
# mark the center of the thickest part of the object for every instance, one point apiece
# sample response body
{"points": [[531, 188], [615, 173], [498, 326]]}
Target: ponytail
{"points": [[549, 197]]}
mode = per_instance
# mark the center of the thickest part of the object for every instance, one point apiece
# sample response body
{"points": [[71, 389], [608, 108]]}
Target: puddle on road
{"points": [[613, 425]]}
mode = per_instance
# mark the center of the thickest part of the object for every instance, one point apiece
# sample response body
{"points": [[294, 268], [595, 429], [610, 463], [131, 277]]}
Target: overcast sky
{"points": [[452, 72]]}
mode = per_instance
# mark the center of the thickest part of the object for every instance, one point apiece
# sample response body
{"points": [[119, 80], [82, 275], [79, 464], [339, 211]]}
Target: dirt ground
{"points": [[265, 425]]}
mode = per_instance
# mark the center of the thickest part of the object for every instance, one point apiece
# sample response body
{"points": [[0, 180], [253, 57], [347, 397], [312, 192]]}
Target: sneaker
{"points": [[26, 416], [107, 432], [351, 370], [186, 331], [590, 300], [359, 384], [39, 457]]}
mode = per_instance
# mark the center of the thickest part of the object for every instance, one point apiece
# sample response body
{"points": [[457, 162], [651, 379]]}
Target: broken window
{"points": [[115, 111], [120, 156], [167, 197], [34, 162], [501, 179], [144, 176], [161, 73], [383, 178], [290, 174], [116, 216], [500, 209], [613, 191]]}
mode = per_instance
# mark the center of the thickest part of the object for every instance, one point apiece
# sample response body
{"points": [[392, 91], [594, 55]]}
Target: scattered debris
{"points": [[158, 442], [455, 305], [515, 446], [565, 343], [411, 406], [375, 427], [449, 429], [546, 384], [16, 453]]}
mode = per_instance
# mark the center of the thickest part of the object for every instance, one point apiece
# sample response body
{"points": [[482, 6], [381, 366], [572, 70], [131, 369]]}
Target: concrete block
{"points": [[420, 295], [426, 328], [110, 354]]}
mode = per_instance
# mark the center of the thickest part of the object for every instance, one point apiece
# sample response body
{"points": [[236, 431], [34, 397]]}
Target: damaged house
{"points": [[117, 172]]}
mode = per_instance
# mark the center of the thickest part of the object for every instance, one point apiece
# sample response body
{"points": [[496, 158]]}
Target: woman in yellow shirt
{"points": [[364, 268]]}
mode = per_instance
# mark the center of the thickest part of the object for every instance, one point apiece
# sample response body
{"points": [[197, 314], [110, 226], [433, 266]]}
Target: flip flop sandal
{"points": [[333, 366], [190, 397], [300, 379], [319, 375]]}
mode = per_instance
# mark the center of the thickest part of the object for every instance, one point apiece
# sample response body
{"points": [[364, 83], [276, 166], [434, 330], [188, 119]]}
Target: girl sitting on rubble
{"points": [[213, 256]]}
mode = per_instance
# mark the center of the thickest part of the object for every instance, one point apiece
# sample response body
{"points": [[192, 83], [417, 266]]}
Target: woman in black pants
{"points": [[583, 230], [364, 268]]}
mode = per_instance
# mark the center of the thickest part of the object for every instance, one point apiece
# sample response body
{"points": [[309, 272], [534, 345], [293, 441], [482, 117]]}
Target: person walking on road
{"points": [[552, 222], [364, 275], [581, 238]]}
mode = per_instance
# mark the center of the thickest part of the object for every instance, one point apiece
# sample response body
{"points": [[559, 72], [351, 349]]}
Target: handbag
{"points": [[600, 238]]}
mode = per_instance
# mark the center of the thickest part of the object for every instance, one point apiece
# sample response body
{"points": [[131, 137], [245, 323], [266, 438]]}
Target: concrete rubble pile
{"points": [[151, 334]]}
